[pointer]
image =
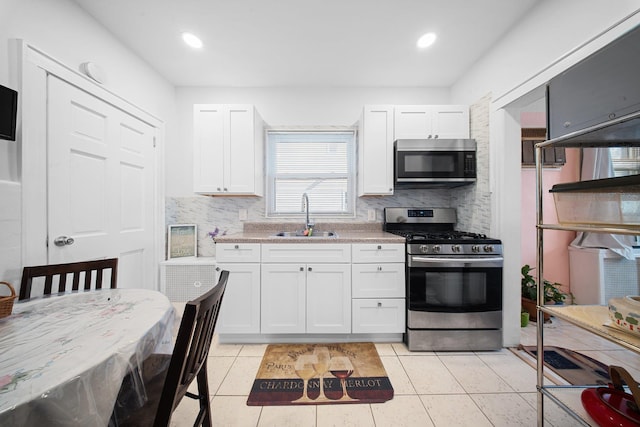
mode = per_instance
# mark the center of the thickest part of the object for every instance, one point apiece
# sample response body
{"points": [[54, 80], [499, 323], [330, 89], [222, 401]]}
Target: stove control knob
{"points": [[455, 248], [475, 248], [424, 249], [436, 249], [488, 248]]}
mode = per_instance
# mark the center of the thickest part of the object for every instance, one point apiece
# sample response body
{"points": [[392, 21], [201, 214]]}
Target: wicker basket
{"points": [[6, 302]]}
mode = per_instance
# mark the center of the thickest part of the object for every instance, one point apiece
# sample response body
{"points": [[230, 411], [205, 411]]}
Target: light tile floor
{"points": [[430, 389]]}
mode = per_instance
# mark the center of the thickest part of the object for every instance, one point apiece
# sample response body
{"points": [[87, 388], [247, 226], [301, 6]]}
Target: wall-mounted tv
{"points": [[8, 113]]}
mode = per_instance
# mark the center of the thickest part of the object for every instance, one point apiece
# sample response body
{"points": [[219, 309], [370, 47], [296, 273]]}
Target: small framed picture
{"points": [[182, 241]]}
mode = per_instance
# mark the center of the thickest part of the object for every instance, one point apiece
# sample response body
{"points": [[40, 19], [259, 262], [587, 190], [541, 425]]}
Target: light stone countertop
{"points": [[346, 233]]}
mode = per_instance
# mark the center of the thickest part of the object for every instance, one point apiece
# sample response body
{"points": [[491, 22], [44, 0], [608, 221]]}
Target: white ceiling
{"points": [[256, 43]]}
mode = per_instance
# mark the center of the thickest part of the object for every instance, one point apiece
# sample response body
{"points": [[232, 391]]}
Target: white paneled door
{"points": [[101, 169]]}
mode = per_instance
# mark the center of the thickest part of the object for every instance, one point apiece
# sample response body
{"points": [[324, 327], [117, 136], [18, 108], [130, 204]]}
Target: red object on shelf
{"points": [[612, 406]]}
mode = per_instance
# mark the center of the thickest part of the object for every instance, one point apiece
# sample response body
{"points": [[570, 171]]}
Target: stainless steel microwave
{"points": [[428, 163]]}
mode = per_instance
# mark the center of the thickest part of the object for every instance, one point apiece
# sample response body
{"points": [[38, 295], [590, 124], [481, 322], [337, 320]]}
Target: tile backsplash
{"points": [[209, 213]]}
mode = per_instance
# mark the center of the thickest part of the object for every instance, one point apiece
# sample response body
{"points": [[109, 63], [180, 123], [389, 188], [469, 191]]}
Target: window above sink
{"points": [[320, 163]]}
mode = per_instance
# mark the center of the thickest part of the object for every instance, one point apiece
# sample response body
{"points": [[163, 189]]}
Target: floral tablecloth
{"points": [[63, 358]]}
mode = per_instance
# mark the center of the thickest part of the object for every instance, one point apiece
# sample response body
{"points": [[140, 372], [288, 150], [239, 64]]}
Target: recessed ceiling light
{"points": [[192, 40], [426, 40]]}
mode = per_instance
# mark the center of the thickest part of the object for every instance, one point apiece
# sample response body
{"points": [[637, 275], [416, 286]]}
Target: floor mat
{"points": [[290, 374], [573, 367]]}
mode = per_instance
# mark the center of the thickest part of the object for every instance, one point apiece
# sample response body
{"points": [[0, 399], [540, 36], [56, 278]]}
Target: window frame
{"points": [[271, 177], [628, 163]]}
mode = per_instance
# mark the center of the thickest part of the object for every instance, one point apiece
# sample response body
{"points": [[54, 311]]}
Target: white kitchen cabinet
{"points": [[431, 121], [306, 288], [375, 151], [377, 252], [379, 280], [379, 315], [240, 311], [328, 298], [283, 298], [378, 288], [238, 252], [228, 150], [304, 253]]}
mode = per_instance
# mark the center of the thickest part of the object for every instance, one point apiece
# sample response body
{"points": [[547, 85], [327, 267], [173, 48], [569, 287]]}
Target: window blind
{"points": [[319, 163]]}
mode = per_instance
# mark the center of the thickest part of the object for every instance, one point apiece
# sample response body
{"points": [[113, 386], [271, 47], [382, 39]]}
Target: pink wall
{"points": [[556, 254]]}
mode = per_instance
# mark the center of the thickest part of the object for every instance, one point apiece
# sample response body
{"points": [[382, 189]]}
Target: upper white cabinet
{"points": [[228, 150], [381, 125], [375, 151], [431, 121]]}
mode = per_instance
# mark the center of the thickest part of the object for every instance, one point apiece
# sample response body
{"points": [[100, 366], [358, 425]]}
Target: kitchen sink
{"points": [[300, 234]]}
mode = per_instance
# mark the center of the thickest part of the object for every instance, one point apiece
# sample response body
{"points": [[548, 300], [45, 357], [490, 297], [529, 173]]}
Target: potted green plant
{"points": [[529, 292]]}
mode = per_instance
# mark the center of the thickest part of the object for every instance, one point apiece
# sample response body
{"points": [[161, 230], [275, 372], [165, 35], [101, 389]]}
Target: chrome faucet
{"points": [[305, 208]]}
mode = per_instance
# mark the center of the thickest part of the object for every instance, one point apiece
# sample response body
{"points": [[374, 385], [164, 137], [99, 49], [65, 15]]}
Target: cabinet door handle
{"points": [[379, 304], [236, 247], [225, 189], [379, 247], [310, 269], [301, 268], [219, 189], [379, 268]]}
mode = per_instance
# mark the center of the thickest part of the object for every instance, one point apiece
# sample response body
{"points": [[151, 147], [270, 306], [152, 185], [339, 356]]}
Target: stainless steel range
{"points": [[454, 282]]}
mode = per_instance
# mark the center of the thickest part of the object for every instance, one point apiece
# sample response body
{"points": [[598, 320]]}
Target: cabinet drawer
{"points": [[238, 252], [378, 316], [378, 252], [381, 280], [307, 253]]}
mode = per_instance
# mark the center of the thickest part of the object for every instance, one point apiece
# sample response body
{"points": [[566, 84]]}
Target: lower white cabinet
{"points": [[240, 311], [312, 288], [305, 298], [379, 280], [283, 299], [378, 288], [306, 288], [379, 315], [328, 298]]}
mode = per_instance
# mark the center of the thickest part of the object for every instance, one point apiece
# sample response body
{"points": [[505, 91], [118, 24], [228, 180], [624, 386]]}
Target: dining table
{"points": [[63, 357]]}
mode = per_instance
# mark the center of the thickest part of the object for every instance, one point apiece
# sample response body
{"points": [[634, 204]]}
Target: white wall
{"points": [[552, 37], [62, 30], [281, 107], [550, 31]]}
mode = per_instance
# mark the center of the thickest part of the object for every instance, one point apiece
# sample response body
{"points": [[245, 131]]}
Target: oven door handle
{"points": [[496, 261]]}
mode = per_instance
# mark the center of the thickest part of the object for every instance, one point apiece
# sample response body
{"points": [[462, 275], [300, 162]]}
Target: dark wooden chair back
{"points": [[61, 271], [189, 358]]}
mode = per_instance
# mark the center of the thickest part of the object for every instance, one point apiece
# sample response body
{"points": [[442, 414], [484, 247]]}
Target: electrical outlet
{"points": [[372, 214], [242, 214]]}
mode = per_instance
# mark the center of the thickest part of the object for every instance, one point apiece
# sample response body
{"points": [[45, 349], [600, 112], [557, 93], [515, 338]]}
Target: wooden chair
{"points": [[188, 362], [49, 272]]}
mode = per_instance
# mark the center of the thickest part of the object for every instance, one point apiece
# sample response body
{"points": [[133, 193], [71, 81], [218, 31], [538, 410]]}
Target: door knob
{"points": [[63, 241]]}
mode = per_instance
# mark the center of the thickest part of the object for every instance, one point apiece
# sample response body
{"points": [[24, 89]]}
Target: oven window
{"points": [[455, 290]]}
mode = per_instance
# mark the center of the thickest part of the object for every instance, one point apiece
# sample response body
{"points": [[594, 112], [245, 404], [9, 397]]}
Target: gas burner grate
{"points": [[440, 235]]}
